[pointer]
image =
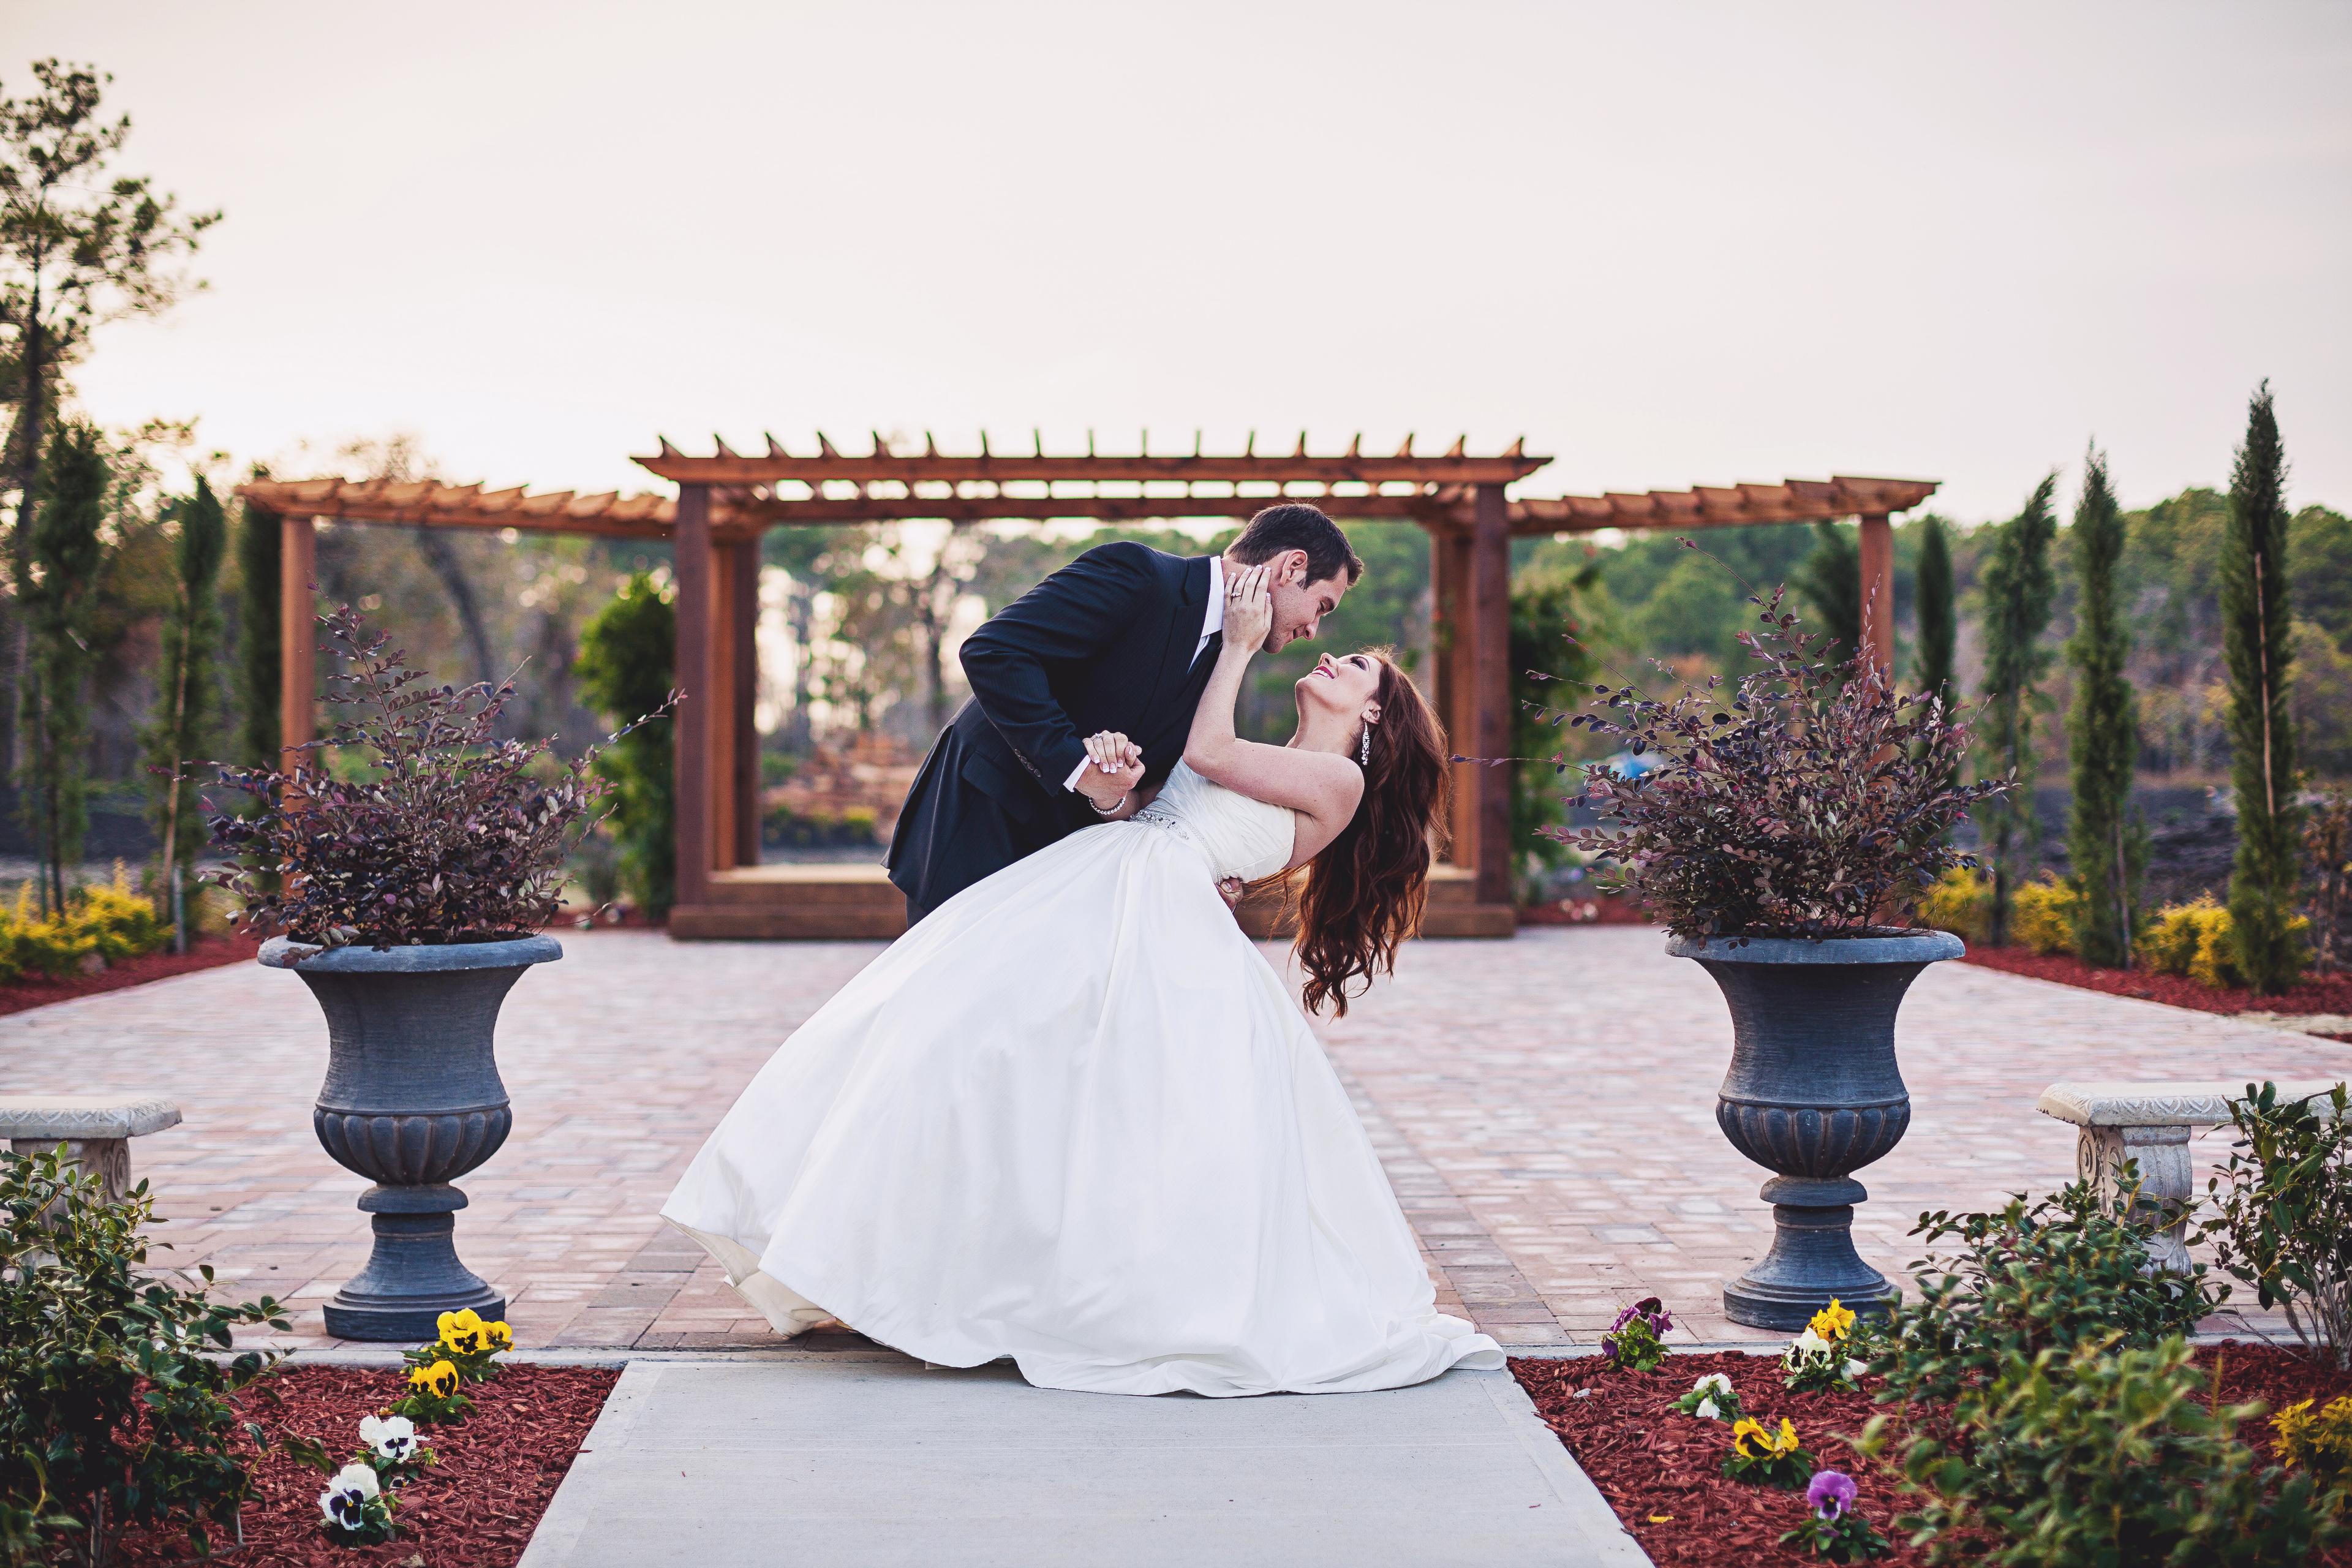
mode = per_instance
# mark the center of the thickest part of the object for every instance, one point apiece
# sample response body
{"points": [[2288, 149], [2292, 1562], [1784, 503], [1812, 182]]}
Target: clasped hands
{"points": [[1114, 768]]}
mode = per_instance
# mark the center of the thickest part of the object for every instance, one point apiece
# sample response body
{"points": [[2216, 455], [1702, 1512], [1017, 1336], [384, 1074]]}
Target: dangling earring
{"points": [[1364, 751]]}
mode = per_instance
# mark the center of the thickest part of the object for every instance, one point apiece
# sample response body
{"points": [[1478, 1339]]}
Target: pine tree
{"points": [[260, 540], [1939, 623], [56, 587], [2018, 588], [2257, 635], [2103, 732], [186, 719]]}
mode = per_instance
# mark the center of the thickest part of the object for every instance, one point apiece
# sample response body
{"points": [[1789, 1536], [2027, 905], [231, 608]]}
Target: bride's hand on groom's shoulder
{"points": [[1249, 609]]}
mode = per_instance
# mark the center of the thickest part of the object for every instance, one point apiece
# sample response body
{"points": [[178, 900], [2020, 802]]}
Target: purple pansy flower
{"points": [[1831, 1495]]}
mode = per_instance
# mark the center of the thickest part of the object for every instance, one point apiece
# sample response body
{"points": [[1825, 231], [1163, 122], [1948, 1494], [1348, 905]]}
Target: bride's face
{"points": [[1348, 684]]}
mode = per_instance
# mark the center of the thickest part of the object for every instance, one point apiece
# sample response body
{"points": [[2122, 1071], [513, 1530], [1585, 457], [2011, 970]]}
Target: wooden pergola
{"points": [[727, 499]]}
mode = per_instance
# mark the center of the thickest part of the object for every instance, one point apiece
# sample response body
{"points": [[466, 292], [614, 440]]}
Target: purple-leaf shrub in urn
{"points": [[1783, 825], [408, 867]]}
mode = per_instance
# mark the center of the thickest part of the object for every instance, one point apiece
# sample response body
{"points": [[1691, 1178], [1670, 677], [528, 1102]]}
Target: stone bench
{"points": [[2150, 1125], [96, 1130]]}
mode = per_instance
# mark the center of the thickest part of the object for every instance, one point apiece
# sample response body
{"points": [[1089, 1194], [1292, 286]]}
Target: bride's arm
{"points": [[1324, 787]]}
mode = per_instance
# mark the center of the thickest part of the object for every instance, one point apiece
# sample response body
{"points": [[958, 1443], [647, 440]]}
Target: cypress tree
{"points": [[2103, 731], [2256, 637], [628, 654], [1831, 580], [185, 703], [1939, 623], [2018, 588], [56, 588], [260, 542]]}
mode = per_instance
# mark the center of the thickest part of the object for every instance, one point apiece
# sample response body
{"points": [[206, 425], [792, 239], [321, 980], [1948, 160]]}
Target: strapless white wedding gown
{"points": [[1074, 1118]]}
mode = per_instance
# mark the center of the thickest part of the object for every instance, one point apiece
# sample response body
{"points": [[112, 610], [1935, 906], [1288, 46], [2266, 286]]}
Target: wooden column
{"points": [[1489, 697], [1451, 644], [1877, 553], [696, 722], [745, 654], [722, 707], [298, 638]]}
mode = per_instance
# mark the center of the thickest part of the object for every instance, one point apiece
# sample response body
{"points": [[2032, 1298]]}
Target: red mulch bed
{"points": [[1662, 1470], [211, 953], [2323, 994], [476, 1509]]}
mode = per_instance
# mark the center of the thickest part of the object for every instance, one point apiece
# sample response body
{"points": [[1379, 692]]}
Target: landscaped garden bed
{"points": [[474, 1508], [1662, 1470], [2325, 994], [31, 991]]}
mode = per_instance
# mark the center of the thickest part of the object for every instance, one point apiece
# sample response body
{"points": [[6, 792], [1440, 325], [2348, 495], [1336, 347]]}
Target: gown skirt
{"points": [[1074, 1118]]}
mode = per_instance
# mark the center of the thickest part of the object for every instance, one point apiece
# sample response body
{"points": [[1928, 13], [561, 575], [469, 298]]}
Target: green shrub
{"points": [[2102, 1456], [628, 654], [2063, 1273], [2281, 1215], [2043, 916], [111, 1411], [1960, 902]]}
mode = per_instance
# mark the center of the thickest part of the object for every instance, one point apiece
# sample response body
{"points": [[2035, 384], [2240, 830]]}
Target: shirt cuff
{"points": [[1071, 784]]}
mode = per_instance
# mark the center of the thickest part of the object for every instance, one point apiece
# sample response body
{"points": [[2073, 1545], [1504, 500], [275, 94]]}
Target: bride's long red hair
{"points": [[1364, 891]]}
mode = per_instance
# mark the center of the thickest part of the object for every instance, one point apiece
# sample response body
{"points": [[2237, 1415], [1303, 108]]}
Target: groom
{"points": [[1122, 638]]}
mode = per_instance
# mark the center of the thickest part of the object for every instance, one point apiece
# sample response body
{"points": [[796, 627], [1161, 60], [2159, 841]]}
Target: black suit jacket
{"points": [[1106, 643]]}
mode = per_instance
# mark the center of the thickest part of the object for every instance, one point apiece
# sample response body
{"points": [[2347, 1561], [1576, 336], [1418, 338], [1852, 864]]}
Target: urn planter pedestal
{"points": [[1814, 1094], [412, 1102]]}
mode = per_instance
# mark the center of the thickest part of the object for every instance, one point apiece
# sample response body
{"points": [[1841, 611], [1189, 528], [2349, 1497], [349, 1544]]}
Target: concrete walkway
{"points": [[854, 1459]]}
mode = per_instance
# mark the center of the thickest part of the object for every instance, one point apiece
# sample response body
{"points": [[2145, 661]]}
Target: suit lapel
{"points": [[1183, 631]]}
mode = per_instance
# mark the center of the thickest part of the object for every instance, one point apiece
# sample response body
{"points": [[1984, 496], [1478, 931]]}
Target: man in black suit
{"points": [[1122, 638]]}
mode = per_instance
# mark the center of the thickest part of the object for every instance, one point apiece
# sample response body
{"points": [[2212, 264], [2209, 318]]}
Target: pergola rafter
{"points": [[728, 498]]}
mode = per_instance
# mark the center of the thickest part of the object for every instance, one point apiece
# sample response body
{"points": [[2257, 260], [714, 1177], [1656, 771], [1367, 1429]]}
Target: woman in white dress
{"points": [[1074, 1118]]}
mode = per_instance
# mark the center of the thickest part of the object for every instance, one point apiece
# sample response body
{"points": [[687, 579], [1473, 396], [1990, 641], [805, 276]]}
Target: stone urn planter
{"points": [[1814, 1094], [412, 1102]]}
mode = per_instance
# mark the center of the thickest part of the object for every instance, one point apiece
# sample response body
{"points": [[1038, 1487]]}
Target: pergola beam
{"points": [[930, 465]]}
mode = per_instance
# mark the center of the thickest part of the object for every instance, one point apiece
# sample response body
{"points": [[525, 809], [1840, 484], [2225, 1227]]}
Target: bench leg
{"points": [[108, 1159], [2161, 1154]]}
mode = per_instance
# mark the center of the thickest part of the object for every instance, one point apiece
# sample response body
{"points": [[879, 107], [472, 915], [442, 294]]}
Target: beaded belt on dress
{"points": [[1170, 825]]}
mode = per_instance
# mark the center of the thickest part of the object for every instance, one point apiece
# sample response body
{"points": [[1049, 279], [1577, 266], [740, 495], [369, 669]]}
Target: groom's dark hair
{"points": [[1294, 525]]}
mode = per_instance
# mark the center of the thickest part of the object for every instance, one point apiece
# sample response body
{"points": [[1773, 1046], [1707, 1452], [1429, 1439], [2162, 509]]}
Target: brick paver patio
{"points": [[1545, 1107]]}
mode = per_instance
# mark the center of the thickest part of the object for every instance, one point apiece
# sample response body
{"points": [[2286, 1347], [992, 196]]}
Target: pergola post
{"points": [[698, 721], [743, 652], [1489, 697], [1877, 557], [298, 638], [1452, 643]]}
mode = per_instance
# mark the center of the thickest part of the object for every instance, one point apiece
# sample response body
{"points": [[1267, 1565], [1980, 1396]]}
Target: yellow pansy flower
{"points": [[1785, 1440], [501, 1335], [440, 1378], [1834, 1322], [1748, 1428]]}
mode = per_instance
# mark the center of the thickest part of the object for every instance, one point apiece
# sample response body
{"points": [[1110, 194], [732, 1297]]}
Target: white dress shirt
{"points": [[1211, 625]]}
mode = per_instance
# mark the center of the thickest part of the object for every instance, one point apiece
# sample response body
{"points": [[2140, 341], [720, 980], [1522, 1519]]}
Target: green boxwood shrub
{"points": [[112, 1412], [2281, 1212], [2064, 1272], [2103, 1456]]}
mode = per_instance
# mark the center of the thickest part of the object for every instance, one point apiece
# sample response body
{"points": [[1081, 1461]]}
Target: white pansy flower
{"points": [[1707, 1411], [345, 1501], [389, 1438], [1713, 1383], [1854, 1369], [1809, 1342]]}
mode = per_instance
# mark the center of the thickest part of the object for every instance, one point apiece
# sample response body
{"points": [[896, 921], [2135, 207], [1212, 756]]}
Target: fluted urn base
{"points": [[1814, 1094], [1812, 1260], [413, 1275]]}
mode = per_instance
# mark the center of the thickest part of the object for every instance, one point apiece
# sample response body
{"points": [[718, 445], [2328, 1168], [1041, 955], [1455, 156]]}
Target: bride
{"points": [[1074, 1118]]}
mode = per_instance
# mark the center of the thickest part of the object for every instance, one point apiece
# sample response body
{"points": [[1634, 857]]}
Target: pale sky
{"points": [[1667, 243]]}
